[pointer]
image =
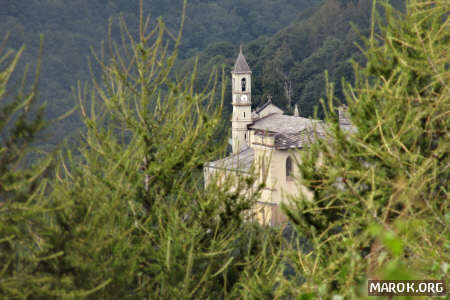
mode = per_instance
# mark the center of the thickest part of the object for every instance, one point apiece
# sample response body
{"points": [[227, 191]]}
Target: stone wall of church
{"points": [[270, 165], [287, 186], [279, 188]]}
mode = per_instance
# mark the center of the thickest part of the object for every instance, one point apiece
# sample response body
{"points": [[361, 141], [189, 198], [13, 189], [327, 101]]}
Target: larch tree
{"points": [[140, 223], [380, 208]]}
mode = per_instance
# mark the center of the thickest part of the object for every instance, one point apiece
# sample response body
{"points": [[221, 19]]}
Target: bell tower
{"points": [[241, 84]]}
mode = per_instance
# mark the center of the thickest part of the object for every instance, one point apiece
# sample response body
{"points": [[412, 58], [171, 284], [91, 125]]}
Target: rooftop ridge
{"points": [[259, 109]]}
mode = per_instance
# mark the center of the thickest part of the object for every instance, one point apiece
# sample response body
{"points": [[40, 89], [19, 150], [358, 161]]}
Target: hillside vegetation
{"points": [[72, 28], [290, 64]]}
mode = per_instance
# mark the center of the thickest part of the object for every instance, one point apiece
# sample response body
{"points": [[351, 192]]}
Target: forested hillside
{"points": [[71, 28], [290, 65]]}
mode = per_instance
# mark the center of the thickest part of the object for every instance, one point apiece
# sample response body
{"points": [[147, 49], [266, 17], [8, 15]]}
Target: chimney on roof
{"points": [[343, 115]]}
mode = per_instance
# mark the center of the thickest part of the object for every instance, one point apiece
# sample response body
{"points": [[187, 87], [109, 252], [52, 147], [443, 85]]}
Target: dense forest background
{"points": [[290, 64], [288, 44]]}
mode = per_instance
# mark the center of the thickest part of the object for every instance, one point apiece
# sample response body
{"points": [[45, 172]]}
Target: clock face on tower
{"points": [[244, 98]]}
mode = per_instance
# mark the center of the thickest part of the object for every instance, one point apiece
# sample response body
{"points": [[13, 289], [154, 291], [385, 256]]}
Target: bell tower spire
{"points": [[241, 86]]}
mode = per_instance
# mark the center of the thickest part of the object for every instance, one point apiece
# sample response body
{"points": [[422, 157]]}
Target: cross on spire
{"points": [[241, 66], [269, 98]]}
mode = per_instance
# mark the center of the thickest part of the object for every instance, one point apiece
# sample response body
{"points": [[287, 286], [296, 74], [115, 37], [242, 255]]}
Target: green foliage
{"points": [[23, 183], [138, 221], [380, 207], [129, 216]]}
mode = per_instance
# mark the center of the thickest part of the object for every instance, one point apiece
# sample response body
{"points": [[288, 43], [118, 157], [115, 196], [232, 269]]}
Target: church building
{"points": [[267, 141]]}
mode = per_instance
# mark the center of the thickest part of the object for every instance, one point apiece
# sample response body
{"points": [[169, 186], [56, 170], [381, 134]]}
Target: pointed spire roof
{"points": [[241, 66]]}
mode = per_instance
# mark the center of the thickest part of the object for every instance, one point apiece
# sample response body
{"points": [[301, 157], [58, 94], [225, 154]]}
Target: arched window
{"points": [[243, 84], [288, 167], [244, 114]]}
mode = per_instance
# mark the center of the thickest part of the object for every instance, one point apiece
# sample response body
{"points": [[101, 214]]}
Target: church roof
{"points": [[278, 123], [285, 141], [240, 162], [241, 66], [289, 131], [267, 109], [259, 109]]}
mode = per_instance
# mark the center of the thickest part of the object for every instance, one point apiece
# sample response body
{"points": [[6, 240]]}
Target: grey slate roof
{"points": [[241, 161], [298, 140], [259, 109], [278, 123], [289, 131], [241, 66]]}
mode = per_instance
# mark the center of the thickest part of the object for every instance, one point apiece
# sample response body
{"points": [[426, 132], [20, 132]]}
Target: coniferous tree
{"points": [[127, 216], [139, 222], [380, 207], [24, 172]]}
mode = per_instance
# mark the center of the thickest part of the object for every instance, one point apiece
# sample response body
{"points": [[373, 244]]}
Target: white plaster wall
{"points": [[242, 114]]}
